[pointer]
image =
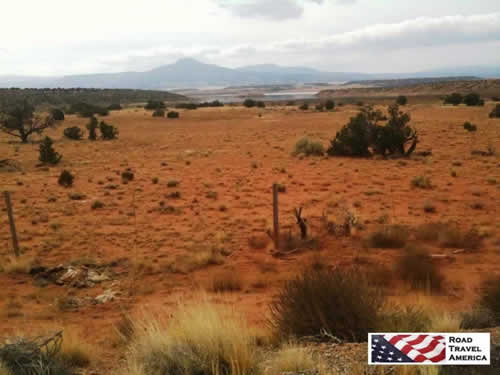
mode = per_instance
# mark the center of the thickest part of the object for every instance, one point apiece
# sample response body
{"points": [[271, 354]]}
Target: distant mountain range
{"points": [[190, 73]]}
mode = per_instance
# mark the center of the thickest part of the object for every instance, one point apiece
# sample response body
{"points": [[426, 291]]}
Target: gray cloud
{"points": [[274, 9]]}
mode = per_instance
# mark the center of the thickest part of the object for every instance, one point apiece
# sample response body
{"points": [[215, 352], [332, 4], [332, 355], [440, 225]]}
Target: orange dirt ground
{"points": [[238, 154]]}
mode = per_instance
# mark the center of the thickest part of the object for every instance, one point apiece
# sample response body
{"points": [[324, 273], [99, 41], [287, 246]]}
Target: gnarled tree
{"points": [[21, 122]]}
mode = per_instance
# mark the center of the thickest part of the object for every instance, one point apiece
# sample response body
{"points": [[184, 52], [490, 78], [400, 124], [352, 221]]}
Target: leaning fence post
{"points": [[275, 217], [12, 223]]}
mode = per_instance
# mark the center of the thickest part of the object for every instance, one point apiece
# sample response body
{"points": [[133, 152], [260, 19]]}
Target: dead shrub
{"points": [[490, 297], [340, 302], [389, 237], [418, 268]]}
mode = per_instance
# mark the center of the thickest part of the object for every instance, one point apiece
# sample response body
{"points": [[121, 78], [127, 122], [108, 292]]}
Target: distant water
{"points": [[278, 96]]}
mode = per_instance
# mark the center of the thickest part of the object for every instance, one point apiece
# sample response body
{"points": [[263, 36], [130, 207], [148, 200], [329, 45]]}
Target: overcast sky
{"points": [[56, 37]]}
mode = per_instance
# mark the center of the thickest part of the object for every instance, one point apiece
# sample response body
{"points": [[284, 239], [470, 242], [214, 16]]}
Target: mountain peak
{"points": [[188, 61]]}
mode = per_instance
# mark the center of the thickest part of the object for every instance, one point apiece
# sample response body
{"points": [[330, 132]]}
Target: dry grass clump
{"points": [[308, 148], [292, 359], [198, 339], [196, 260], [422, 182], [226, 281], [75, 352], [422, 315], [258, 242], [417, 268], [340, 302], [17, 265], [4, 370], [449, 235], [389, 237]]}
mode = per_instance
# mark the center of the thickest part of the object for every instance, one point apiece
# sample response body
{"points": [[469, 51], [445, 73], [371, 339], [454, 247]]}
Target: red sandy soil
{"points": [[238, 154]]}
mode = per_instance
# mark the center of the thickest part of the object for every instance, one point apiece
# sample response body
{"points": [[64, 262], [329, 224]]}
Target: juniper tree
{"points": [[21, 122], [47, 153], [92, 127]]}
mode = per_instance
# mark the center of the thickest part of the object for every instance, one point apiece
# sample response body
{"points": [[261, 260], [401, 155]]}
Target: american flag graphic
{"points": [[398, 348]]}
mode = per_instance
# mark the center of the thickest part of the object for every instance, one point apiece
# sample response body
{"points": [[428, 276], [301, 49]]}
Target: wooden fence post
{"points": [[12, 223], [276, 217]]}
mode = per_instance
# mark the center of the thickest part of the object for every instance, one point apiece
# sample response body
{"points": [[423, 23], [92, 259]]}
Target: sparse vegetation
{"points": [[304, 107]]}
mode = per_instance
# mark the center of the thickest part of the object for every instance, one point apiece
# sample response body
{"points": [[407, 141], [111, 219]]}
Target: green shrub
{"points": [[249, 103], [304, 107], [47, 153], [362, 136], [454, 99], [260, 104], [401, 100], [340, 302], [108, 132], [154, 104], [173, 114], [418, 268], [87, 110], [66, 178], [92, 128], [470, 127], [329, 105], [495, 113], [320, 107], [73, 132], [190, 106], [172, 183], [115, 107], [159, 113], [307, 147], [473, 99], [57, 114]]}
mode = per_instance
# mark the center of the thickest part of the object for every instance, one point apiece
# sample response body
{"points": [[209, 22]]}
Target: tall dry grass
{"points": [[199, 338]]}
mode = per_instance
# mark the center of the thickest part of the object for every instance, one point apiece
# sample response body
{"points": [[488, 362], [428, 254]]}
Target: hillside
{"points": [[487, 88], [60, 97]]}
